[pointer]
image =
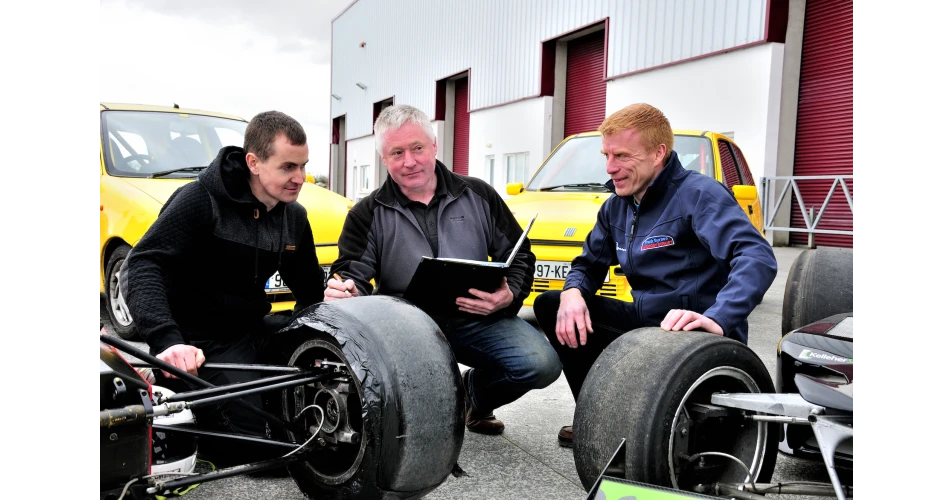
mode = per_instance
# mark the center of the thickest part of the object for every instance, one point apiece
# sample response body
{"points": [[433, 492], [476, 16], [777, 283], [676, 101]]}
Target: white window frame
{"points": [[364, 179], [517, 167]]}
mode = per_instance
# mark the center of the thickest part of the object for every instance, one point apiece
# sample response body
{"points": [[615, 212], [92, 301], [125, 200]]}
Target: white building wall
{"points": [[735, 92], [400, 48], [514, 128]]}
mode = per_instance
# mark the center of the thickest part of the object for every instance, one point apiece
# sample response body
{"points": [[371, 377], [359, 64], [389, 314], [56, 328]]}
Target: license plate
{"points": [[276, 285], [554, 270]]}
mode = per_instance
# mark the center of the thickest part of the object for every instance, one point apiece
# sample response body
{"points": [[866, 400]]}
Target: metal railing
{"points": [[811, 216]]}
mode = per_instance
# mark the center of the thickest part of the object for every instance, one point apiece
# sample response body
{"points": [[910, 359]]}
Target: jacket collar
{"points": [[453, 183], [672, 166]]}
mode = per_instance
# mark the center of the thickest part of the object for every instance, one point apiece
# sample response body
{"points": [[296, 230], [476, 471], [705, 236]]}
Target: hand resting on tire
{"points": [[683, 319]]}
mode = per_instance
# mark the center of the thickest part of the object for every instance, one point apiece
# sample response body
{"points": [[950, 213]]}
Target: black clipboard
{"points": [[438, 281]]}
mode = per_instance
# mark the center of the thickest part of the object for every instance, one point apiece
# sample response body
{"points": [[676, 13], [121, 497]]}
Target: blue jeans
{"points": [[509, 358]]}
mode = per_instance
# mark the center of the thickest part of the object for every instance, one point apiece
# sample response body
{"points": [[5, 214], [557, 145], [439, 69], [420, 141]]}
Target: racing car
{"points": [[693, 415], [366, 393]]}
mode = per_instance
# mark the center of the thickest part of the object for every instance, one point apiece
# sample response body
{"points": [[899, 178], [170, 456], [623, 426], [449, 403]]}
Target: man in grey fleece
{"points": [[424, 209]]}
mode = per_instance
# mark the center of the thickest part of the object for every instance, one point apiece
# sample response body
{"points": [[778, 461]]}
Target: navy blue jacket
{"points": [[688, 245]]}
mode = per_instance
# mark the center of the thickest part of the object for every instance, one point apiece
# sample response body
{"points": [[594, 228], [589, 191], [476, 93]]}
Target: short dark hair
{"points": [[265, 127]]}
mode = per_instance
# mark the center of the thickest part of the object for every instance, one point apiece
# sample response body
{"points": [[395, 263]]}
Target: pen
{"points": [[338, 278]]}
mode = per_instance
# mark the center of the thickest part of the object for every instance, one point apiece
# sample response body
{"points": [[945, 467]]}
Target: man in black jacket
{"points": [[195, 282], [423, 209]]}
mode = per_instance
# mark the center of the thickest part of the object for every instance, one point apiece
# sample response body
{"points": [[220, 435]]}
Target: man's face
{"points": [[410, 158], [280, 177], [631, 166]]}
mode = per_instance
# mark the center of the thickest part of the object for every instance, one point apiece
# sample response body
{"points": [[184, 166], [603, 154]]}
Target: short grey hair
{"points": [[394, 117]]}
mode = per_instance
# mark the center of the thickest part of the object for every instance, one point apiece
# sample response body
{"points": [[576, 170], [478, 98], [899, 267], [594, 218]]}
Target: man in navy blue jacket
{"points": [[691, 255]]}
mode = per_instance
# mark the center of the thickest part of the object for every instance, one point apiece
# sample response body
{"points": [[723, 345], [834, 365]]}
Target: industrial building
{"points": [[504, 81]]}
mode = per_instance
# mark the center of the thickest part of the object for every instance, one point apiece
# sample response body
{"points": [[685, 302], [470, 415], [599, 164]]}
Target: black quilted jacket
{"points": [[199, 272]]}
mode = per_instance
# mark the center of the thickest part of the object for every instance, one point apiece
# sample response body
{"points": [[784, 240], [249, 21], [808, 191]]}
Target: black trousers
{"points": [[229, 416], [610, 319]]}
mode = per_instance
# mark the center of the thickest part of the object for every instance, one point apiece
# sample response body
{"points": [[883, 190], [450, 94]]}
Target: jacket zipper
{"points": [[634, 225]]}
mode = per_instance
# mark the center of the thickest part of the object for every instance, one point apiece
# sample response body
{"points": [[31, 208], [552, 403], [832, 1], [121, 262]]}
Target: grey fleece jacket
{"points": [[382, 240]]}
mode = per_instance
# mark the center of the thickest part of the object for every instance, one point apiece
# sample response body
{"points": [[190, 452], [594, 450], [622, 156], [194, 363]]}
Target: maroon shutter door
{"points": [[585, 84], [824, 143], [461, 128]]}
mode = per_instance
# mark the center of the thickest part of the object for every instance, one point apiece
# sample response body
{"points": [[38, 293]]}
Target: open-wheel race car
{"points": [[693, 415], [366, 394]]}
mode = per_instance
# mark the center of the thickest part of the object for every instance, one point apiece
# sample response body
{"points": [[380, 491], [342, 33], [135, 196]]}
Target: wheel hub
{"points": [[331, 409], [700, 427], [118, 303], [336, 427]]}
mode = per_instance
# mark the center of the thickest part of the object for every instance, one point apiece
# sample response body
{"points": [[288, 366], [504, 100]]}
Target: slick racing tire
{"points": [[653, 389], [819, 284], [393, 426]]}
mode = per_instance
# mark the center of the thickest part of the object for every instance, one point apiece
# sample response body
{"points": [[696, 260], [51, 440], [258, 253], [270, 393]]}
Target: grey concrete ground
{"points": [[526, 462]]}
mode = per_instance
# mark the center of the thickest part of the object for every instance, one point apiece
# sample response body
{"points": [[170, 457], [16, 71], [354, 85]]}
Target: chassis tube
{"points": [[236, 437], [214, 391], [197, 403], [234, 367], [132, 351]]}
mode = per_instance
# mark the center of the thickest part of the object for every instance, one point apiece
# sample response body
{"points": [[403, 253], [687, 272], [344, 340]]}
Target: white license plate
{"points": [[276, 285], [554, 270]]}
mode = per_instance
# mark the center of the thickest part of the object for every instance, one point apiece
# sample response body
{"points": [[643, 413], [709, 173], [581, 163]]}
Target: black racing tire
{"points": [[819, 284], [405, 403], [119, 316], [635, 391]]}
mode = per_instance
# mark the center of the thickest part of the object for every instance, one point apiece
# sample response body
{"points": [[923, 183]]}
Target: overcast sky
{"points": [[233, 56]]}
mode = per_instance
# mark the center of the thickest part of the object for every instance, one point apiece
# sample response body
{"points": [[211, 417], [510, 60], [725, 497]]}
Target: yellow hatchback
{"points": [[145, 155], [569, 187]]}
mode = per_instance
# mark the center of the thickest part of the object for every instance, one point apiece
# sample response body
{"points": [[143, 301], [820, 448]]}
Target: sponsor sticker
{"points": [[653, 242], [823, 356]]}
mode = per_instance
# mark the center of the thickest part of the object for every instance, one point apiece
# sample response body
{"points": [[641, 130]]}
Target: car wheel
{"points": [[392, 428], [819, 284], [653, 388], [122, 322]]}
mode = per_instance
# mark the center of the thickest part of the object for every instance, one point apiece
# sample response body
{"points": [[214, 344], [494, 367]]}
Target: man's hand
{"points": [[486, 303], [183, 357], [573, 316], [683, 319], [338, 289]]}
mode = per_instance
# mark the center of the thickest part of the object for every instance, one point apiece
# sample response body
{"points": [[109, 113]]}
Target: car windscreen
{"points": [[695, 153], [143, 143], [579, 165]]}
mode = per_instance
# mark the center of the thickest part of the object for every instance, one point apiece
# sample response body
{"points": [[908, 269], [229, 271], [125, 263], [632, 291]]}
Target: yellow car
{"points": [[136, 157], [569, 187]]}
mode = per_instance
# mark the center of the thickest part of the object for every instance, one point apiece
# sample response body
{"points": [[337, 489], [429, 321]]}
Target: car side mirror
{"points": [[745, 192], [514, 188]]}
